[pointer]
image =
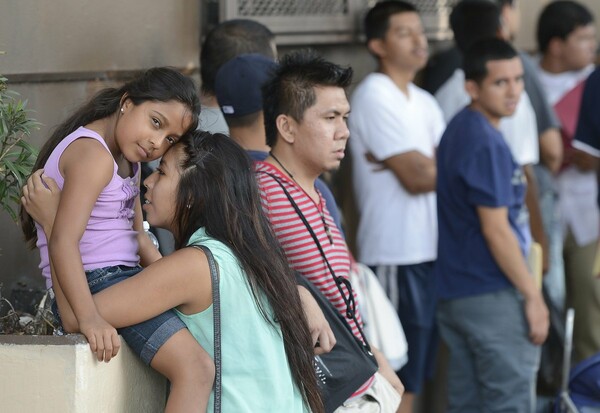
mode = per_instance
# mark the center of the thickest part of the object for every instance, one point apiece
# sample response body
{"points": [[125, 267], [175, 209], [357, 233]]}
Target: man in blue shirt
{"points": [[491, 313]]}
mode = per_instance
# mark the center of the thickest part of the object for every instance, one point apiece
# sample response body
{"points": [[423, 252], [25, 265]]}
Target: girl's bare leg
{"points": [[190, 370]]}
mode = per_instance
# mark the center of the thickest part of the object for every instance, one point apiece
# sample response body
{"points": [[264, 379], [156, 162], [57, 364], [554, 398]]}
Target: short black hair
{"points": [[472, 20], [483, 51], [560, 19], [291, 90], [228, 40], [377, 20]]}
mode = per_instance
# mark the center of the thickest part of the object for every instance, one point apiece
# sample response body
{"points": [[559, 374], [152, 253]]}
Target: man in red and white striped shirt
{"points": [[305, 111]]}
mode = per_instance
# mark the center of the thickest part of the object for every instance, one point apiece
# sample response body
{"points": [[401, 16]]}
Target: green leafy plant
{"points": [[17, 157]]}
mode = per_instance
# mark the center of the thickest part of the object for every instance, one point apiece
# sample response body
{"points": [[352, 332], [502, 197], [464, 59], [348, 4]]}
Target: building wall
{"points": [[91, 36]]}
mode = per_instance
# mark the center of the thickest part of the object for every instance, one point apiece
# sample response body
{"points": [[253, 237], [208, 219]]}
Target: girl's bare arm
{"points": [[87, 168]]}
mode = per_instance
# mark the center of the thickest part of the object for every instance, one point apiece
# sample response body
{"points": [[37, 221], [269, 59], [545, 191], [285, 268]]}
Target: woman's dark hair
{"points": [[218, 181], [158, 84]]}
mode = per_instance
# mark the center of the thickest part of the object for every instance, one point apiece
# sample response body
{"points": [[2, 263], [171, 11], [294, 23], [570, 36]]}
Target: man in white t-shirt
{"points": [[566, 37], [395, 127]]}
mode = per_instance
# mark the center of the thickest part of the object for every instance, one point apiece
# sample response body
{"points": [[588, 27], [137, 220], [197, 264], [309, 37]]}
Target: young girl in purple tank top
{"points": [[95, 156]]}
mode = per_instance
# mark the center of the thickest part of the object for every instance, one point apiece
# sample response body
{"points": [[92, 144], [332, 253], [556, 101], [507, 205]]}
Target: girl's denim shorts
{"points": [[144, 338]]}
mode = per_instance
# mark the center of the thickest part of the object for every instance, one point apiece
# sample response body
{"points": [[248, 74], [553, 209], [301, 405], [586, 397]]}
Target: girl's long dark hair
{"points": [[159, 84], [219, 184]]}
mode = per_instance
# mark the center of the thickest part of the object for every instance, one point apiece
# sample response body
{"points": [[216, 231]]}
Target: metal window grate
{"points": [[434, 6], [328, 21], [435, 15], [256, 8]]}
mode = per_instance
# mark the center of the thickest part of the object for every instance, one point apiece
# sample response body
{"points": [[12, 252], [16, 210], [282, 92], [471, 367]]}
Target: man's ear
{"points": [[472, 89], [286, 126], [375, 46]]}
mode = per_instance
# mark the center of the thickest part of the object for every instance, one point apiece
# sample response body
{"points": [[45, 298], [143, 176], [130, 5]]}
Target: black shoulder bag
{"points": [[350, 363]]}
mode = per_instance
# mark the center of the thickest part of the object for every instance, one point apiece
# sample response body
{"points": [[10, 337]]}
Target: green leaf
{"points": [[28, 148], [17, 156]]}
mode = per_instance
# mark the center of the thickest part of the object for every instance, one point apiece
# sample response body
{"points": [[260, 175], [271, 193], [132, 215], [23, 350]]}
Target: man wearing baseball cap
{"points": [[238, 90]]}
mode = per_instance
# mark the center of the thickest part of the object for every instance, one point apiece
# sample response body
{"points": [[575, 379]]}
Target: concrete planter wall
{"points": [[61, 375]]}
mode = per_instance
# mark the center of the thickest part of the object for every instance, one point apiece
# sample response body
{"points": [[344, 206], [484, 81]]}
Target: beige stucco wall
{"points": [[61, 375], [88, 35]]}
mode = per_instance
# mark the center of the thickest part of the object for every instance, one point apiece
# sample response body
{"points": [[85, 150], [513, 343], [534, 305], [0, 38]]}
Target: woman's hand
{"points": [[40, 199]]}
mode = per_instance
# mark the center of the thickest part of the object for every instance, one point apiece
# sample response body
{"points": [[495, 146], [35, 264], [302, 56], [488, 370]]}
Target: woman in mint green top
{"points": [[205, 193], [256, 374]]}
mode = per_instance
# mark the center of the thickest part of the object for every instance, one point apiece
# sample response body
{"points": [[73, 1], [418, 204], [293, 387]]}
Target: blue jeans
{"points": [[493, 365], [146, 337]]}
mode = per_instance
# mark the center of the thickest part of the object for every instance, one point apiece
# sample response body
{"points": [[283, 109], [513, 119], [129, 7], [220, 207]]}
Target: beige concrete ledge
{"points": [[60, 374]]}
